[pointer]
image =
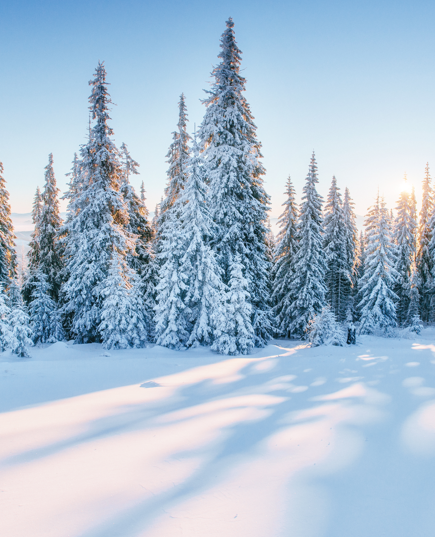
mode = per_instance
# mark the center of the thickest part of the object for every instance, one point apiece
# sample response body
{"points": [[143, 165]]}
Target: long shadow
{"points": [[241, 440]]}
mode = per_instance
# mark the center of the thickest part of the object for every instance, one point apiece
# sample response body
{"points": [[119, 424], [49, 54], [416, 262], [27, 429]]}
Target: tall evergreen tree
{"points": [[352, 249], [34, 248], [284, 258], [338, 274], [413, 319], [234, 172], [5, 327], [424, 259], [377, 306], [235, 333], [204, 289], [8, 257], [352, 242], [405, 228], [142, 196], [99, 221], [34, 255], [44, 314], [308, 283], [138, 223], [360, 267], [178, 160], [50, 262], [21, 334], [123, 317]]}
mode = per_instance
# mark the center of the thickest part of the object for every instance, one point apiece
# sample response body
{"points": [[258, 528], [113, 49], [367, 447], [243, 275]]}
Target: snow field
{"points": [[307, 442]]}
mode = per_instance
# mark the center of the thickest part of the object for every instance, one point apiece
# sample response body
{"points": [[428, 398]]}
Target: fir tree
{"points": [[204, 288], [171, 319], [142, 195], [100, 218], [413, 320], [307, 284], [324, 329], [34, 248], [8, 258], [378, 309], [50, 260], [352, 242], [405, 242], [138, 223], [284, 257], [335, 242], [360, 266], [178, 159], [238, 201], [21, 334], [235, 333], [5, 329], [123, 320], [44, 314], [424, 258]]}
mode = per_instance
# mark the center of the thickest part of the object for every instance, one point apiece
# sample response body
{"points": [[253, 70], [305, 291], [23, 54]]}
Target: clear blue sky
{"points": [[355, 81]]}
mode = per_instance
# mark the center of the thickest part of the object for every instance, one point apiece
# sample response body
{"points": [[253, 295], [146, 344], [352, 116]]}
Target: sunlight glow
{"points": [[406, 186]]}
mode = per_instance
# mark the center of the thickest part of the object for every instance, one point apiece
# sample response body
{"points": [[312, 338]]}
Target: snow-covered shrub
{"points": [[323, 329]]}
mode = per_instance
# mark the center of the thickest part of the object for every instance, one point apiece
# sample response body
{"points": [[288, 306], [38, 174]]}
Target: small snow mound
{"points": [[150, 384], [106, 354]]}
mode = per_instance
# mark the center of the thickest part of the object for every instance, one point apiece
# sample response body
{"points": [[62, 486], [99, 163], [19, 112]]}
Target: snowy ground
{"points": [[291, 441]]}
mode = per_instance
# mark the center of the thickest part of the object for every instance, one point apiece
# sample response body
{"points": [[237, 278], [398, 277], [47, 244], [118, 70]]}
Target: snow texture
{"points": [[311, 442]]}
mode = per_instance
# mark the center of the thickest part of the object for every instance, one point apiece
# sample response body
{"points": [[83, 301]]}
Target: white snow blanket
{"points": [[291, 441]]}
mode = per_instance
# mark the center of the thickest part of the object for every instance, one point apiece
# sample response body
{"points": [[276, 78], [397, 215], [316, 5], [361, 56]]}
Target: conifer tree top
{"points": [[99, 101]]}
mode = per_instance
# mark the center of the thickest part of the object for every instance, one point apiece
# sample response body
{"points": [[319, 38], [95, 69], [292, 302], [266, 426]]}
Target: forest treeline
{"points": [[207, 270]]}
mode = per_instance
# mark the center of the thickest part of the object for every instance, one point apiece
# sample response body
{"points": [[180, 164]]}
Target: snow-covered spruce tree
{"points": [[21, 333], [405, 228], [307, 284], [377, 306], [413, 320], [178, 159], [424, 259], [138, 223], [360, 266], [5, 329], [235, 333], [68, 239], [14, 294], [338, 275], [44, 314], [204, 289], [123, 320], [191, 294], [20, 336], [352, 243], [238, 201], [172, 328], [284, 257], [50, 257], [99, 220], [323, 329], [33, 253], [8, 258]]}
